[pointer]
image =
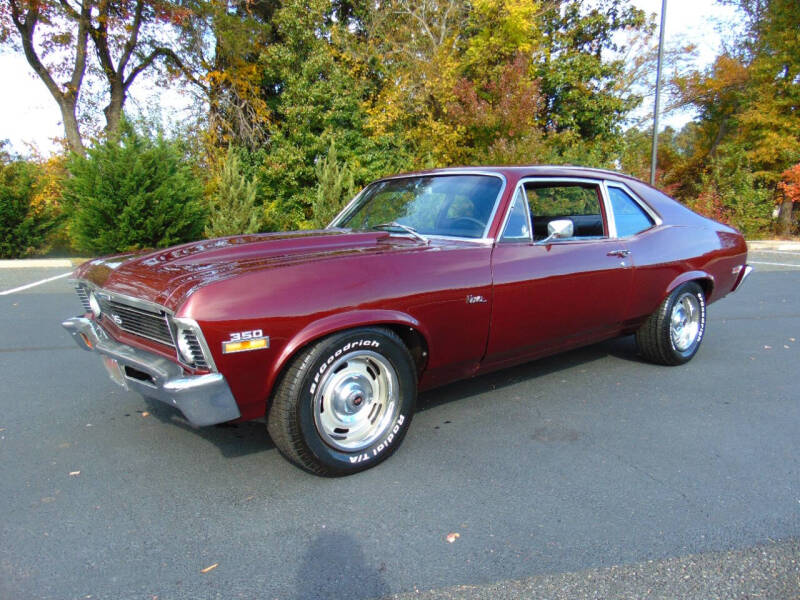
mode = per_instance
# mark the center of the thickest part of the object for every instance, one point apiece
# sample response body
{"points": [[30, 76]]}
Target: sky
{"points": [[30, 119]]}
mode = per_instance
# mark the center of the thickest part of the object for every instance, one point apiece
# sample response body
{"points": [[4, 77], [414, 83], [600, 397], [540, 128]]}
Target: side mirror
{"points": [[559, 229]]}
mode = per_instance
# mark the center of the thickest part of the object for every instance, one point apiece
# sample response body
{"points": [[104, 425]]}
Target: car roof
{"points": [[513, 172]]}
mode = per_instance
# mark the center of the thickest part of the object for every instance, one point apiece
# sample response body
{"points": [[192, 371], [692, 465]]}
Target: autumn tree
{"points": [[59, 60], [789, 197], [222, 50], [747, 132], [57, 38]]}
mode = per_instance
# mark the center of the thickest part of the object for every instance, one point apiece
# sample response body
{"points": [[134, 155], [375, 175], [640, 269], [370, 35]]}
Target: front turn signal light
{"points": [[245, 345]]}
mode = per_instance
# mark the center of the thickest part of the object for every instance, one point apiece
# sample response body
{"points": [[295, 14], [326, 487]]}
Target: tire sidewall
{"points": [[325, 354], [696, 291]]}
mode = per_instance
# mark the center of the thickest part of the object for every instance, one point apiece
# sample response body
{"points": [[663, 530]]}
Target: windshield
{"points": [[448, 205]]}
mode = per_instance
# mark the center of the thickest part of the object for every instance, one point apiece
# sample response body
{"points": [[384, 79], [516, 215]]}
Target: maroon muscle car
{"points": [[421, 280]]}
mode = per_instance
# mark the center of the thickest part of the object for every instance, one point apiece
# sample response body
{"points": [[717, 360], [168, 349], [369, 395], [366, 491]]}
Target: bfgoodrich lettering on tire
{"points": [[345, 402], [673, 333]]}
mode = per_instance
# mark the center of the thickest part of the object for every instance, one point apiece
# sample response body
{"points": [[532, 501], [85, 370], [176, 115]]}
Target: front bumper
{"points": [[203, 399]]}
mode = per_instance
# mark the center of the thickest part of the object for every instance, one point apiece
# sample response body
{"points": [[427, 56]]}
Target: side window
{"points": [[577, 202], [518, 225], [628, 215]]}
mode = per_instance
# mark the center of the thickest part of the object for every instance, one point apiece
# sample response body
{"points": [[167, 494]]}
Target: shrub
{"points": [[25, 222], [731, 193], [334, 188], [231, 207], [130, 192]]}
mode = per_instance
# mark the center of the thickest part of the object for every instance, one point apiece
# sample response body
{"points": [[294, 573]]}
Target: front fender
{"points": [[335, 323]]}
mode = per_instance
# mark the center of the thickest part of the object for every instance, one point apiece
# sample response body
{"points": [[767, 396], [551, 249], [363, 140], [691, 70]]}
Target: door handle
{"points": [[619, 253]]}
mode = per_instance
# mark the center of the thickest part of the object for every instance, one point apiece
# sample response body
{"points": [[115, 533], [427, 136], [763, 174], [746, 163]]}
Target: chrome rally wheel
{"points": [[345, 402], [685, 321], [673, 333], [356, 402]]}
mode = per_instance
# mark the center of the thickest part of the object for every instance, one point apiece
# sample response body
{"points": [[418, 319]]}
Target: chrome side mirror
{"points": [[559, 229]]}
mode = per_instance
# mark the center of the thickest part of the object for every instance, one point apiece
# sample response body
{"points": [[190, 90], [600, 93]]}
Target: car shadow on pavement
{"points": [[334, 566], [622, 347], [251, 437], [232, 439]]}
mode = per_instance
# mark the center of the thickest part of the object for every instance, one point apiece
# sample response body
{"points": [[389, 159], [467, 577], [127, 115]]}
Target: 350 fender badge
{"points": [[242, 341]]}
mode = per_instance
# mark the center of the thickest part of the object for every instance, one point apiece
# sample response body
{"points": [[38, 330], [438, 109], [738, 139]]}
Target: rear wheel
{"points": [[345, 402], [673, 333]]}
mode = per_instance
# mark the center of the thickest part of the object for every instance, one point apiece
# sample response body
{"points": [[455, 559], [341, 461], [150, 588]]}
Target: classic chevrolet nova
{"points": [[421, 280]]}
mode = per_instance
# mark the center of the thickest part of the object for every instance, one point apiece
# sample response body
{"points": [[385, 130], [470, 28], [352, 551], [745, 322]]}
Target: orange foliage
{"points": [[789, 185]]}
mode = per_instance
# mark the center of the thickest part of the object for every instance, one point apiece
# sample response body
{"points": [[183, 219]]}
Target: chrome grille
{"points": [[150, 324], [191, 342], [83, 296]]}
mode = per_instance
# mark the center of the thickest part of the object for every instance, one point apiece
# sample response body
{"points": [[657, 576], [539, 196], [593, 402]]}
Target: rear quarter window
{"points": [[629, 217]]}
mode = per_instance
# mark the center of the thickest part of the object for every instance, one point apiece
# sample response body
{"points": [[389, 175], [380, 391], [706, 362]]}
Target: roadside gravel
{"points": [[769, 571]]}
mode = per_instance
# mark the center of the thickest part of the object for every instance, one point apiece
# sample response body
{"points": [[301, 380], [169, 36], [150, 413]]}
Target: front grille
{"points": [[151, 324], [83, 296], [193, 344]]}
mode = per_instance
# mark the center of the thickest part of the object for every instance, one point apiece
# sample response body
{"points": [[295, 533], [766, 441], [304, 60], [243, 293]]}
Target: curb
{"points": [[39, 263], [783, 245]]}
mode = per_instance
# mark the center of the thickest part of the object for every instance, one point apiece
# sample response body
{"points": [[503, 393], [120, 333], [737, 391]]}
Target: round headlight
{"points": [[94, 304]]}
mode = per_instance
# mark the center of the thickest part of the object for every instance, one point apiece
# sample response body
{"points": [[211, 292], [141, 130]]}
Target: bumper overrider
{"points": [[203, 399]]}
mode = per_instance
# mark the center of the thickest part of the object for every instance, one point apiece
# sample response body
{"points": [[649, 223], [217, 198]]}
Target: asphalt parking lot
{"points": [[589, 474]]}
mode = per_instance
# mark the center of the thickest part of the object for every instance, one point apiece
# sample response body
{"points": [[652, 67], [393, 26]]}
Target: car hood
{"points": [[168, 277]]}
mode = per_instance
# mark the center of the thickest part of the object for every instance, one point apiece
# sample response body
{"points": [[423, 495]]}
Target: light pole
{"points": [[654, 151]]}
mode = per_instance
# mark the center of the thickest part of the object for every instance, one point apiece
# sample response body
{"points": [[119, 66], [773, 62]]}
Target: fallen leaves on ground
{"points": [[74, 473], [209, 568], [452, 537]]}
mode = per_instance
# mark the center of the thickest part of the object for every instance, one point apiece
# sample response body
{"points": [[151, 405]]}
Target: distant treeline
{"points": [[299, 104]]}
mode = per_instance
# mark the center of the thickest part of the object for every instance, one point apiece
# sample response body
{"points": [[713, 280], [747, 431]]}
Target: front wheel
{"points": [[345, 402], [673, 333]]}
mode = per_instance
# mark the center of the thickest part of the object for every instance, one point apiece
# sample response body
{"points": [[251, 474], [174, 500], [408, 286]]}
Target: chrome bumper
{"points": [[742, 276], [203, 399]]}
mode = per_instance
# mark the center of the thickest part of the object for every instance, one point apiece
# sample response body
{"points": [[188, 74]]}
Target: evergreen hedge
{"points": [[131, 192]]}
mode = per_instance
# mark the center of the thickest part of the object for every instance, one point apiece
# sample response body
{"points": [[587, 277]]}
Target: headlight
{"points": [[94, 304]]}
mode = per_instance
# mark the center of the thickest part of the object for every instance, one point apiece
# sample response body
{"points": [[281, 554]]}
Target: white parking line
{"points": [[796, 253], [759, 262], [34, 284]]}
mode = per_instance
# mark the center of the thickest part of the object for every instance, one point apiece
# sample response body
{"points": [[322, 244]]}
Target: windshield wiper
{"points": [[410, 230]]}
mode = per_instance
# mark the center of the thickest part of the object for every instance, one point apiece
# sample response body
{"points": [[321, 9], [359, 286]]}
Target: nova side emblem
{"points": [[475, 299]]}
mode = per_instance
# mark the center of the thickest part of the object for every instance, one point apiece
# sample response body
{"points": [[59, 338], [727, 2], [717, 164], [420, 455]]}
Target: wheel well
{"points": [[707, 286], [413, 340]]}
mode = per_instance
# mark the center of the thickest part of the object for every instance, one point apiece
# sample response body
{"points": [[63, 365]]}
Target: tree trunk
{"points": [[785, 217], [68, 108], [113, 111]]}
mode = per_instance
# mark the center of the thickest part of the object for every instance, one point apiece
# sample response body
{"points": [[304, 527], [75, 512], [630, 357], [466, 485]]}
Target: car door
{"points": [[549, 295]]}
